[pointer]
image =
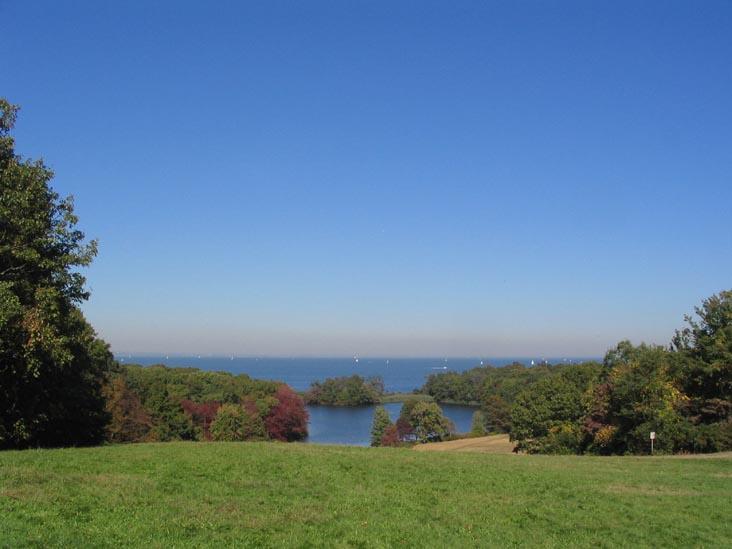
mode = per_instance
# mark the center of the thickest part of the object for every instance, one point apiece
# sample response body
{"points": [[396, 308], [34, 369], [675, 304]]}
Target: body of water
{"points": [[401, 375], [352, 425]]}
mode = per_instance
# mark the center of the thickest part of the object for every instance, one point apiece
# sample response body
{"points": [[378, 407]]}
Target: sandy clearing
{"points": [[495, 444], [499, 444]]}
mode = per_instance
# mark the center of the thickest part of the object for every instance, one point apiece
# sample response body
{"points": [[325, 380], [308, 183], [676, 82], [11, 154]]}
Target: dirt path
{"points": [[496, 444]]}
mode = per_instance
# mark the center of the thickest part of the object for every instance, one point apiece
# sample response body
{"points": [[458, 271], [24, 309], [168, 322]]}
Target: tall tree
{"points": [[52, 365], [706, 344], [381, 423], [129, 422], [477, 424]]}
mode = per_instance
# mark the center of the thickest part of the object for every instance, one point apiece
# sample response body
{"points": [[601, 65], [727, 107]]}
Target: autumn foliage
{"points": [[202, 414], [158, 403], [288, 419], [128, 420]]}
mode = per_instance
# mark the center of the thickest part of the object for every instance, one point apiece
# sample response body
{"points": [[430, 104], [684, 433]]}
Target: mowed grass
{"points": [[298, 495]]}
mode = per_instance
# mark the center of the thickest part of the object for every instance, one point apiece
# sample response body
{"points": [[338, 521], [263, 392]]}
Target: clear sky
{"points": [[385, 178]]}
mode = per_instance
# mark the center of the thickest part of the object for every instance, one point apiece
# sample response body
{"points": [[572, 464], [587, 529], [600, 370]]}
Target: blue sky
{"points": [[385, 178]]}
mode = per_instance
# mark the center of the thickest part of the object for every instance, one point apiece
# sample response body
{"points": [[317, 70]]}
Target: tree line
{"points": [[681, 392]]}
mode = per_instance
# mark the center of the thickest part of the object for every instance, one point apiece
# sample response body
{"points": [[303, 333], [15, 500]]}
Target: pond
{"points": [[351, 426]]}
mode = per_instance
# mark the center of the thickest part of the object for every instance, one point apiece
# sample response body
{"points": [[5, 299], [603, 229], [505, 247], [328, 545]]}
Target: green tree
{"points": [[228, 423], [496, 414], [169, 419], [547, 417], [52, 365], [639, 395], [477, 424], [381, 423], [705, 346], [428, 422], [234, 423]]}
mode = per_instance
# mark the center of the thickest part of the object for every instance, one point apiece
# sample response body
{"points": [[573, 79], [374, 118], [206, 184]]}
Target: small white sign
{"points": [[653, 435]]}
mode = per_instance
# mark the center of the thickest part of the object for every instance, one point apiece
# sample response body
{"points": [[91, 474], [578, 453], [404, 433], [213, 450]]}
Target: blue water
{"points": [[352, 426], [401, 375]]}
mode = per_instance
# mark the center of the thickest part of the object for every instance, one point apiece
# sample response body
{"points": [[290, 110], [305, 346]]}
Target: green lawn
{"points": [[298, 495]]}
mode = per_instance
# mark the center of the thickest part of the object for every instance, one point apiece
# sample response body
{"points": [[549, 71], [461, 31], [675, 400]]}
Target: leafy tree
{"points": [[227, 425], [428, 422], [169, 420], [547, 417], [234, 423], [404, 426], [496, 414], [52, 365], [407, 406], [253, 427], [404, 429], [638, 396], [381, 423], [390, 437], [129, 422], [288, 419], [477, 424], [201, 414], [705, 347]]}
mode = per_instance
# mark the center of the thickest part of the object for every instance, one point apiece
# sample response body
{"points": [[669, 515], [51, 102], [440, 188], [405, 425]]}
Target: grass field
{"points": [[299, 495]]}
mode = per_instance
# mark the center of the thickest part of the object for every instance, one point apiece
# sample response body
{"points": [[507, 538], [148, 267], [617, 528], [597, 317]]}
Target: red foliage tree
{"points": [[201, 414], [390, 436], [288, 419]]}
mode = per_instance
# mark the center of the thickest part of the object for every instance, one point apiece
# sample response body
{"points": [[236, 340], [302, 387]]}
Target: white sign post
{"points": [[653, 437]]}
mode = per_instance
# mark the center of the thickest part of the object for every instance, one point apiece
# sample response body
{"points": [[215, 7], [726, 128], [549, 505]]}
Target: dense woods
{"points": [[161, 404], [494, 389]]}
